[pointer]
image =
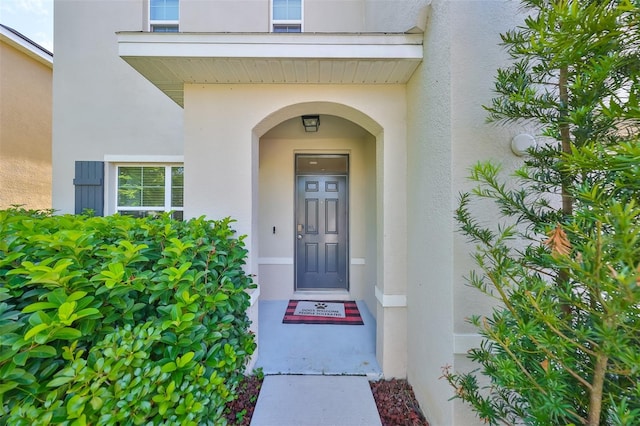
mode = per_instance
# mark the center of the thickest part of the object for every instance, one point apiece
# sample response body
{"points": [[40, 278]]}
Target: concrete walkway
{"points": [[290, 400], [315, 375], [316, 349]]}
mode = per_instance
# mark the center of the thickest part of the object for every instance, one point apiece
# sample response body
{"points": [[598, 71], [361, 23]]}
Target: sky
{"points": [[31, 18]]}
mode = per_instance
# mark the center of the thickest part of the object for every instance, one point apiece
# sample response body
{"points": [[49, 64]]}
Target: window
{"points": [[148, 190], [164, 16], [287, 16]]}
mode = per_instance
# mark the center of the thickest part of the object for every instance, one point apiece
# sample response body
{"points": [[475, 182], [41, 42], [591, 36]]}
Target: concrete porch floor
{"points": [[315, 349]]}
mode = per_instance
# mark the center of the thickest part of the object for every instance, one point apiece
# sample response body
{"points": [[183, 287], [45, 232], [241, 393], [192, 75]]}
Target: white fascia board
{"points": [[161, 159], [355, 46], [25, 47]]}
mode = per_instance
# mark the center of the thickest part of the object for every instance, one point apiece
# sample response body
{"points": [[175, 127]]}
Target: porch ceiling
{"points": [[169, 60]]}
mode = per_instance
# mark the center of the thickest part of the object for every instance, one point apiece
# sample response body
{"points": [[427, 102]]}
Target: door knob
{"points": [[299, 236]]}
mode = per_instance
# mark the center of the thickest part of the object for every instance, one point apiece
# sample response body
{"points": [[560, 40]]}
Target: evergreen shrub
{"points": [[113, 320]]}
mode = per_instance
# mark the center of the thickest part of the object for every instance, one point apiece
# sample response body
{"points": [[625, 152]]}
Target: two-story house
{"points": [[337, 133]]}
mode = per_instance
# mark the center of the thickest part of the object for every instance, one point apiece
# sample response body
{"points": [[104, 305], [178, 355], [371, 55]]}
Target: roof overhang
{"points": [[26, 45], [170, 60]]}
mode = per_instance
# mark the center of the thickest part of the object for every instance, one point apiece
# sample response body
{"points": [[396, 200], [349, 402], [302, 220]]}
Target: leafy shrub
{"points": [[106, 320]]}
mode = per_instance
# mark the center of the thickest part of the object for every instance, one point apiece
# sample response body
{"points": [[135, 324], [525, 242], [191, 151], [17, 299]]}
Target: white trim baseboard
{"points": [[391, 300], [255, 295], [289, 261], [275, 261]]}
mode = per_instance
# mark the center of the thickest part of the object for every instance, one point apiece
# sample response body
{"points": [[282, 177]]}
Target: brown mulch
{"points": [[239, 411], [394, 398], [397, 405]]}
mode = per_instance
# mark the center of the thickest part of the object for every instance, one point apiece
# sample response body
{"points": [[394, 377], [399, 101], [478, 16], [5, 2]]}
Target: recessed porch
{"points": [[315, 348]]}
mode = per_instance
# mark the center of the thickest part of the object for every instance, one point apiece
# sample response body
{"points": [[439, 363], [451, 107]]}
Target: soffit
{"points": [[171, 60]]}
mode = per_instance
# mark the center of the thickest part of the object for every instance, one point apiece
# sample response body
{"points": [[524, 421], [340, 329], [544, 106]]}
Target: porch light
{"points": [[522, 143], [311, 123]]}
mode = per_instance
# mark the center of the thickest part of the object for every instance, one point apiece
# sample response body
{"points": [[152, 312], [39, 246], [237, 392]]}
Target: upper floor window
{"points": [[164, 15], [146, 190], [287, 16]]}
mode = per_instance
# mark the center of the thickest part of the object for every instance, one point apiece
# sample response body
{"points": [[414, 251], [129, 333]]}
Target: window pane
{"points": [[291, 28], [322, 164], [139, 213], [164, 10], [153, 176], [164, 28], [129, 186], [142, 190], [177, 186], [141, 186], [153, 197], [287, 9], [153, 186]]}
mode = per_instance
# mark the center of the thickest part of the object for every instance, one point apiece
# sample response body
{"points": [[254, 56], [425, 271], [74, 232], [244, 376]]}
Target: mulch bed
{"points": [[397, 405], [394, 398], [239, 411]]}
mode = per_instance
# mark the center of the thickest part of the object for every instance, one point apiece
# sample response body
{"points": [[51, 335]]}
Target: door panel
{"points": [[321, 237]]}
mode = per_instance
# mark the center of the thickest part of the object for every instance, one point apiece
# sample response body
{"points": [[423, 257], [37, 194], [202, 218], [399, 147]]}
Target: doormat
{"points": [[322, 312]]}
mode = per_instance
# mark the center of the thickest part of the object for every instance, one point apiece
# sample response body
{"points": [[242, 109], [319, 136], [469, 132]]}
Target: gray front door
{"points": [[321, 232]]}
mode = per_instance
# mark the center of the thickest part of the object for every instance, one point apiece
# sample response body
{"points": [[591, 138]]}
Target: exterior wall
{"points": [[397, 16], [323, 16], [276, 209], [447, 135], [224, 16], [255, 15], [101, 105], [25, 128], [226, 185]]}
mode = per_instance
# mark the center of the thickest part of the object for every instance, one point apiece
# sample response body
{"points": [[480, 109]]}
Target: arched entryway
{"points": [[281, 149], [225, 147]]}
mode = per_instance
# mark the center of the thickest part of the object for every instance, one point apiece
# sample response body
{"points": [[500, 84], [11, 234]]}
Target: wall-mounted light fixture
{"points": [[311, 123], [522, 143]]}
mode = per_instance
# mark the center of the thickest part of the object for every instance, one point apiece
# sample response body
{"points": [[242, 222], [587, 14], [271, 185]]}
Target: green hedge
{"points": [[112, 320]]}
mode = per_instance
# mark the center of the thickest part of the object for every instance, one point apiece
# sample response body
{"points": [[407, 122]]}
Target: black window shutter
{"points": [[89, 182]]}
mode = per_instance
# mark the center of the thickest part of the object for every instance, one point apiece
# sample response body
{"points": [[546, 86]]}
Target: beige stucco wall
{"points": [[395, 15], [224, 16], [227, 185], [447, 135], [25, 129], [102, 106], [255, 15]]}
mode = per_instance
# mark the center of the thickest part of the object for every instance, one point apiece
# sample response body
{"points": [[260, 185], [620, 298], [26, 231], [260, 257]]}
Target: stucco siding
{"points": [[224, 16], [334, 16], [101, 105], [25, 130], [395, 15], [447, 135], [223, 126], [254, 16], [430, 251]]}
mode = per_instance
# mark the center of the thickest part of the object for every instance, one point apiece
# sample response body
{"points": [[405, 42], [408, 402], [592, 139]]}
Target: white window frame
{"points": [[275, 22], [167, 188], [162, 23]]}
